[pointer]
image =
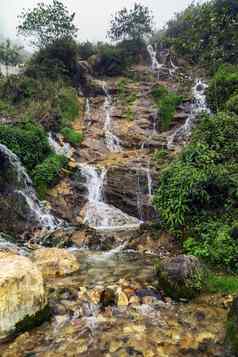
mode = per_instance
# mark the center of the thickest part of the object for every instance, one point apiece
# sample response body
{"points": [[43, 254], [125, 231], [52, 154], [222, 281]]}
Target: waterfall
{"points": [[24, 190], [155, 65], [199, 106], [60, 148], [88, 114], [97, 213], [112, 141]]}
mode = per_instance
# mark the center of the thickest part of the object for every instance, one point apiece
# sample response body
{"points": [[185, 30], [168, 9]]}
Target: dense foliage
{"points": [[46, 173], [205, 33], [167, 102], [72, 136], [197, 195], [28, 141], [222, 86], [47, 23], [56, 61]]}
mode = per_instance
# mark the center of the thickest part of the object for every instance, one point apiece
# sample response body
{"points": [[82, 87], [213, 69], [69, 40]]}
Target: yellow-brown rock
{"points": [[22, 293], [55, 262]]}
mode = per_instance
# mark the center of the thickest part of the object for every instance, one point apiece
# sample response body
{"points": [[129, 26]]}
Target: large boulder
{"points": [[182, 276], [23, 302], [55, 262], [129, 189], [231, 341]]}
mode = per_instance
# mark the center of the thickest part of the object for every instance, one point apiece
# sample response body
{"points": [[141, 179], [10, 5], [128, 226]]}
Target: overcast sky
{"points": [[92, 16]]}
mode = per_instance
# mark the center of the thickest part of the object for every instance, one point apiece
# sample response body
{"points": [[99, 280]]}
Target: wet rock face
{"points": [[55, 262], [181, 276], [231, 340], [22, 294], [127, 188], [15, 217]]}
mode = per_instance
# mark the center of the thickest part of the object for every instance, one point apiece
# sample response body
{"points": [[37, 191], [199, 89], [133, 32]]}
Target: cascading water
{"points": [[199, 106], [26, 192], [155, 65], [60, 148], [88, 114], [112, 141], [97, 213]]}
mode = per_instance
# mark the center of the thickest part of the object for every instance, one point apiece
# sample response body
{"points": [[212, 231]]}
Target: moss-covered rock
{"points": [[182, 276]]}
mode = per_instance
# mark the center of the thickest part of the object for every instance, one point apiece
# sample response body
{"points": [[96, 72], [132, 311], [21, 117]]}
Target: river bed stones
{"points": [[55, 262], [182, 276], [23, 300]]}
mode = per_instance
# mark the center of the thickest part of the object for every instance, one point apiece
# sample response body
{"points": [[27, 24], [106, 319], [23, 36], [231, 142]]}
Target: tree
{"points": [[46, 24], [9, 54], [131, 24]]}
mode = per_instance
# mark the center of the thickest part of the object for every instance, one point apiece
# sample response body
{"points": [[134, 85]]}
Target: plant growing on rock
{"points": [[46, 173], [72, 136]]}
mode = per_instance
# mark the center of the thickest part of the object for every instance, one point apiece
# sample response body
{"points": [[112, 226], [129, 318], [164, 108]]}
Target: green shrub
{"points": [[68, 105], [167, 103], [220, 133], [167, 107], [232, 104], [223, 85], [226, 284], [214, 244], [6, 109], [28, 141], [57, 61], [160, 155], [72, 136], [159, 91], [46, 174]]}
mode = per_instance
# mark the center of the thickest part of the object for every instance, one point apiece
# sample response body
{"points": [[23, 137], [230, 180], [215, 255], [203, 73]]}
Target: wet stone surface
{"points": [[113, 307]]}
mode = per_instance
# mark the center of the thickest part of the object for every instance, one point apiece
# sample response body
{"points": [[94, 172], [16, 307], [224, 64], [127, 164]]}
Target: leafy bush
{"points": [[203, 182], [232, 104], [68, 105], [159, 91], [215, 244], [6, 109], [72, 136], [226, 284], [160, 155], [28, 141], [220, 133], [167, 103], [57, 61], [223, 85], [46, 173]]}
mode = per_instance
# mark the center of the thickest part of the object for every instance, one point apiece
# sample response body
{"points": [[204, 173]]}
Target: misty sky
{"points": [[92, 16]]}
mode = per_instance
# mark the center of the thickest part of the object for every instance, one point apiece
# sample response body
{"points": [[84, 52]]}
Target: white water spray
{"points": [[59, 147], [88, 113], [26, 191], [155, 65], [112, 141], [97, 213], [199, 106]]}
